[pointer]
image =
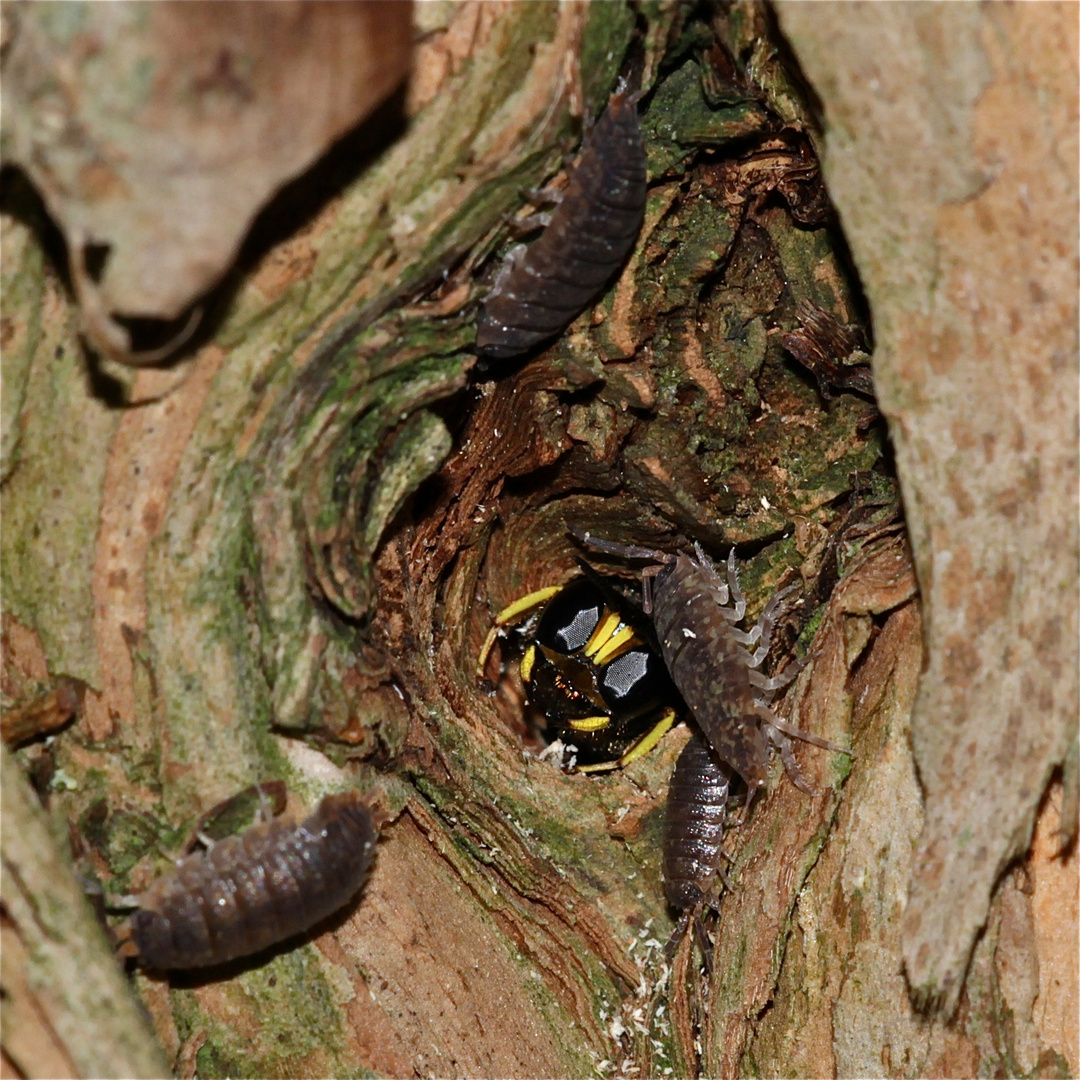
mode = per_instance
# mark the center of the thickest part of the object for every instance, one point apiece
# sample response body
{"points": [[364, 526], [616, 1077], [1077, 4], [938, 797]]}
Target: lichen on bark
{"points": [[285, 567]]}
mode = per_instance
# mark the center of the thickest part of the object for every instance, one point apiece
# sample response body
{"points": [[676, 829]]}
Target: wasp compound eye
{"points": [[591, 666]]}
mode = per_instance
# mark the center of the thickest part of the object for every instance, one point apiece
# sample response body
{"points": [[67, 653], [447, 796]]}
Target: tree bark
{"points": [[281, 562]]}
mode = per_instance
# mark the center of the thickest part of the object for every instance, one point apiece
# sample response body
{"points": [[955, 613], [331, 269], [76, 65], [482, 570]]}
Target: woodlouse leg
{"points": [[125, 947], [805, 736], [738, 599], [103, 902], [746, 637], [751, 791], [719, 586], [544, 196], [761, 682], [791, 766], [721, 873], [777, 681], [704, 560], [765, 625], [509, 265], [120, 901], [266, 805], [530, 223]]}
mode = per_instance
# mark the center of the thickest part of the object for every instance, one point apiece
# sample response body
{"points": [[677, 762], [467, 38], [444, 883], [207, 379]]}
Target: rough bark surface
{"points": [[282, 562], [62, 986], [952, 157], [156, 132]]}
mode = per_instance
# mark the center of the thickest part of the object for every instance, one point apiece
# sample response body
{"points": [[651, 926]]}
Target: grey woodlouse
{"points": [[694, 824], [695, 613], [542, 288], [253, 890]]}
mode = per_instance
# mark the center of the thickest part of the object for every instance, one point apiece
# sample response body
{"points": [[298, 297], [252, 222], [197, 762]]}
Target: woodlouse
{"points": [[706, 654], [253, 890], [694, 824], [543, 287]]}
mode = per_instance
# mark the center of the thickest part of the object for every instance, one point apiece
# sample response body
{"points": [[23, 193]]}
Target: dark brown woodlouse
{"points": [[543, 287], [250, 891], [695, 613], [694, 824]]}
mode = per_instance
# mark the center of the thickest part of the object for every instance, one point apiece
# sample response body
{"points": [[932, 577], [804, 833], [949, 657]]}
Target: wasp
{"points": [[590, 663], [695, 613]]}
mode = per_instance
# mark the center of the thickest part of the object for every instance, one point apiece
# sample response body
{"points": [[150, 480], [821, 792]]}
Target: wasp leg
{"points": [[590, 723], [639, 748], [600, 766], [485, 650], [650, 738], [509, 614]]}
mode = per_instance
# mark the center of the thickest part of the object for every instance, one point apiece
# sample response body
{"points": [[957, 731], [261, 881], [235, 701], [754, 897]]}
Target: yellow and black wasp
{"points": [[591, 665]]}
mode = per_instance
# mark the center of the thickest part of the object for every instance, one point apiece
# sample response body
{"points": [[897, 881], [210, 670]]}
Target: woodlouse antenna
{"points": [[625, 551]]}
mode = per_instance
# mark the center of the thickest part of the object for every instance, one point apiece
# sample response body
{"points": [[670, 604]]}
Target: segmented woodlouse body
{"points": [[258, 888], [694, 824], [542, 288], [696, 615]]}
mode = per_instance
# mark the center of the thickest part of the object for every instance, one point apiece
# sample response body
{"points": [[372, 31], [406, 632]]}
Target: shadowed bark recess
{"points": [[282, 562]]}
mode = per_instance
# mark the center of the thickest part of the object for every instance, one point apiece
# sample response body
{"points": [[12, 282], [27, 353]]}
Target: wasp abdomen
{"points": [[694, 824], [253, 890], [590, 233]]}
